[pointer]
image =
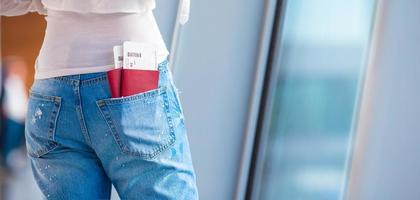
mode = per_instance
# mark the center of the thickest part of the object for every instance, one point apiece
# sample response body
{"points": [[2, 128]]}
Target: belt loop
{"points": [[77, 80]]}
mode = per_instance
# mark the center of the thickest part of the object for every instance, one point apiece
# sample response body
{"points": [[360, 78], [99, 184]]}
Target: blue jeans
{"points": [[80, 141]]}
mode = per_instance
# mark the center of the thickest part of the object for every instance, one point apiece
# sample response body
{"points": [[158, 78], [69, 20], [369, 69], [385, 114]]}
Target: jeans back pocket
{"points": [[40, 123], [140, 124]]}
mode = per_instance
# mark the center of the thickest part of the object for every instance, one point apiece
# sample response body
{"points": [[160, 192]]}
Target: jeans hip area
{"points": [[80, 141]]}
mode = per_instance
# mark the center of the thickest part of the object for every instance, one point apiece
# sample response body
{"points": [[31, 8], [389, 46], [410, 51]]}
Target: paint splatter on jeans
{"points": [[80, 141]]}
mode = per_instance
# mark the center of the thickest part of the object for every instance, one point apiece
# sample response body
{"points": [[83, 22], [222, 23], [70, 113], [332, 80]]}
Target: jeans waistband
{"points": [[83, 78], [91, 78]]}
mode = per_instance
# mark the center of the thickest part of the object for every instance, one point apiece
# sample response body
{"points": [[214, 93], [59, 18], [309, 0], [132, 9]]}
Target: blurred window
{"points": [[320, 61]]}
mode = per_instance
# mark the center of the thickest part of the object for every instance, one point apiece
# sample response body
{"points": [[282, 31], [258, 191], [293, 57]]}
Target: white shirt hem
{"points": [[71, 71], [39, 74]]}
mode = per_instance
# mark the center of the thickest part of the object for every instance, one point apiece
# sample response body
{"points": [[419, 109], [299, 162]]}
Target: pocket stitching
{"points": [[36, 95], [52, 123], [135, 98]]}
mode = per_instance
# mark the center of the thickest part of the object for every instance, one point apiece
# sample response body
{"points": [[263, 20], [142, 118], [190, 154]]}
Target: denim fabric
{"points": [[80, 141]]}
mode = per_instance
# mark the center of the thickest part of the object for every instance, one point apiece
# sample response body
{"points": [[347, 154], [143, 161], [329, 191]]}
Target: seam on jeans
{"points": [[107, 117], [175, 92], [52, 124], [144, 154], [136, 97], [48, 148], [80, 115], [72, 81], [63, 79], [95, 80], [41, 96], [54, 117]]}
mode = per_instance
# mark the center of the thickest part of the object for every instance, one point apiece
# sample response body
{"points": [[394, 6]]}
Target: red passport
{"points": [[127, 82], [134, 81], [114, 80]]}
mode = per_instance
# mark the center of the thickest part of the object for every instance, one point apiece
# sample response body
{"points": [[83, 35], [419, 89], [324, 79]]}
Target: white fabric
{"points": [[100, 6], [78, 43], [20, 7], [81, 33], [184, 15], [15, 99]]}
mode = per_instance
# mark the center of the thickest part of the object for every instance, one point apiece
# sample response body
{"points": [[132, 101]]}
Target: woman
{"points": [[79, 139]]}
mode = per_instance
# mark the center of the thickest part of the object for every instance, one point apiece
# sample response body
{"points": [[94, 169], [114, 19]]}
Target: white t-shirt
{"points": [[80, 34], [78, 43]]}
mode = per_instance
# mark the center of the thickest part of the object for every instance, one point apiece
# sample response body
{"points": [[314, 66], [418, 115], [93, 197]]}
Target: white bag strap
{"points": [[184, 11], [182, 17]]}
